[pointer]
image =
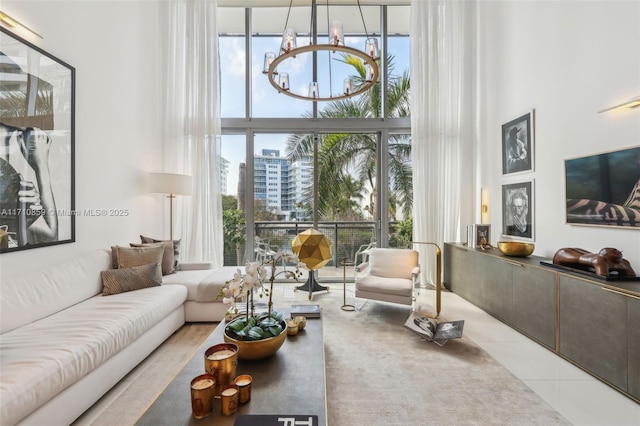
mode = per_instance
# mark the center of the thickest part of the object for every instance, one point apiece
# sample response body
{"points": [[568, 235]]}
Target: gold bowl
{"points": [[258, 349], [515, 248]]}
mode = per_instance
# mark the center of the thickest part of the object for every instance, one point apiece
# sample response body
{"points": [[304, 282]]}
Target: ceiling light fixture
{"points": [[12, 23], [632, 103], [288, 50]]}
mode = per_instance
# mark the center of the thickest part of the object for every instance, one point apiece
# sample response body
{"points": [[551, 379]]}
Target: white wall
{"points": [[567, 60], [113, 47]]}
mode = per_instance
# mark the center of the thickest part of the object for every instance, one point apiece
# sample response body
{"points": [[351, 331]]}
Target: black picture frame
{"points": [[37, 154], [475, 234], [518, 210], [518, 141], [600, 189]]}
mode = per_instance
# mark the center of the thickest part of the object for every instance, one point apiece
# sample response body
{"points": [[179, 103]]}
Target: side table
{"points": [[346, 262]]}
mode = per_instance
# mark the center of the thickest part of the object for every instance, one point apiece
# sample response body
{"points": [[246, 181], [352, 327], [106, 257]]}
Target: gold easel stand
{"points": [[438, 274]]}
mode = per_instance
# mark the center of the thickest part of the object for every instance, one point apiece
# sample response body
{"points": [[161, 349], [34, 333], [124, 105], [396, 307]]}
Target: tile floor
{"points": [[578, 396]]}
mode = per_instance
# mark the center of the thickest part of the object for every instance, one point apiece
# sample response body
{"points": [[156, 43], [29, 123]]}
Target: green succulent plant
{"points": [[256, 327]]}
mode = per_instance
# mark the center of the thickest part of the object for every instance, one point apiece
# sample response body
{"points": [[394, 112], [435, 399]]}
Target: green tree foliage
{"points": [[229, 202], [348, 160]]}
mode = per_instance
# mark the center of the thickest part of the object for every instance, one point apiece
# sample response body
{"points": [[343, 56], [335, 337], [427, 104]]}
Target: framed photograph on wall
{"points": [[37, 96], [604, 189], [517, 210], [518, 145]]}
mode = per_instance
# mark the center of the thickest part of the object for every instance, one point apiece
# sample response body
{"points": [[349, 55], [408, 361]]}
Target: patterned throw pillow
{"points": [[176, 248], [116, 281], [126, 257], [168, 258]]}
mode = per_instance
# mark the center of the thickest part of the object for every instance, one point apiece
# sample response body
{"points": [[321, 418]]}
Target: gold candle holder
{"points": [[229, 400], [292, 327], [221, 361], [301, 321], [244, 387], [202, 395]]}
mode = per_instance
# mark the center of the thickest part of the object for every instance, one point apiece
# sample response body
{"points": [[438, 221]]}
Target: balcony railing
{"points": [[346, 237]]}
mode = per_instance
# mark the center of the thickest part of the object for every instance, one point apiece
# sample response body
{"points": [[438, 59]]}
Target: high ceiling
{"points": [[271, 19], [265, 3]]}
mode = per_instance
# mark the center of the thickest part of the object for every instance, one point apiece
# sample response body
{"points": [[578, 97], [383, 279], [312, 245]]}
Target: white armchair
{"points": [[390, 275]]}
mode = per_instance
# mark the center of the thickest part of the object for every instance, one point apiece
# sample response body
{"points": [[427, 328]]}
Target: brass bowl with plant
{"points": [[257, 336]]}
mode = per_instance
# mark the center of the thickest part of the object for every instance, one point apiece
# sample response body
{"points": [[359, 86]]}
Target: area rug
{"points": [[377, 373], [380, 373]]}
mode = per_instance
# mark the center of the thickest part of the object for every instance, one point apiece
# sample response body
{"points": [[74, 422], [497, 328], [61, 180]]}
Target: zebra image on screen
{"points": [[604, 189]]}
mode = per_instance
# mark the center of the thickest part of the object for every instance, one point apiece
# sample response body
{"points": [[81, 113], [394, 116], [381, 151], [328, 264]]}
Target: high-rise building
{"points": [[281, 183], [224, 173]]}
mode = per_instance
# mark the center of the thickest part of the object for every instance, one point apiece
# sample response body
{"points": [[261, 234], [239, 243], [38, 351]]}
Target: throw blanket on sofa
{"points": [[209, 287]]}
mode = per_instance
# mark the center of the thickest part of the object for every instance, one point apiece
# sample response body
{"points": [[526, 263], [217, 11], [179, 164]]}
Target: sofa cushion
{"points": [[202, 285], [34, 295], [390, 263], [41, 359], [395, 286], [126, 257], [176, 248], [168, 257], [115, 281]]}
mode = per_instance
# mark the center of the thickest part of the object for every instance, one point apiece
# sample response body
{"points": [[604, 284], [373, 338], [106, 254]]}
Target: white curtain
{"points": [[440, 121], [192, 123]]}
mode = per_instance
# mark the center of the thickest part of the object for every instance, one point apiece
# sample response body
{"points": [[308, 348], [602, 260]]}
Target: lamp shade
{"points": [[170, 183]]}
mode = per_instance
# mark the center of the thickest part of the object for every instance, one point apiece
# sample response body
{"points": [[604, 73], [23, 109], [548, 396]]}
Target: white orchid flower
{"points": [[252, 268]]}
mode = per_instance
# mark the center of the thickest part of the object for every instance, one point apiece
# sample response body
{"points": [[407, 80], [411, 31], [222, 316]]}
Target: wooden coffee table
{"points": [[291, 382]]}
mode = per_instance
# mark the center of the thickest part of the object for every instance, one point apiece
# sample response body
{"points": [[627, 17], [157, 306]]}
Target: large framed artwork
{"points": [[518, 145], [604, 189], [37, 96], [517, 210]]}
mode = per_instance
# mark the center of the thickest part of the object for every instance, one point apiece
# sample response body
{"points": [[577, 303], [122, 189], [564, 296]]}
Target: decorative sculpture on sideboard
{"points": [[605, 262]]}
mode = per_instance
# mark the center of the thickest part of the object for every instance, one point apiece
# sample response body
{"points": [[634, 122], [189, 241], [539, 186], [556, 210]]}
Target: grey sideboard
{"points": [[593, 323]]}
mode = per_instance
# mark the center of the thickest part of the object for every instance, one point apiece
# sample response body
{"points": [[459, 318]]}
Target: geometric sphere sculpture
{"points": [[313, 248]]}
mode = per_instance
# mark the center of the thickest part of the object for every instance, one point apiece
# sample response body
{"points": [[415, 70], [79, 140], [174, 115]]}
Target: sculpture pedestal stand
{"points": [[312, 285]]}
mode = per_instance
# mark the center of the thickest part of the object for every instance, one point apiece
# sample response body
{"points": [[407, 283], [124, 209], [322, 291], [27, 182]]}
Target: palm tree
{"points": [[343, 156]]}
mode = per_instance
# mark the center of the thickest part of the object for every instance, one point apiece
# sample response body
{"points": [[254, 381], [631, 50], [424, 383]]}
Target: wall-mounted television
{"points": [[604, 189]]}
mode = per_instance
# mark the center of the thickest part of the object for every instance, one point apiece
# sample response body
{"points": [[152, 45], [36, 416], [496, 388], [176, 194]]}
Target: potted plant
{"points": [[258, 335]]}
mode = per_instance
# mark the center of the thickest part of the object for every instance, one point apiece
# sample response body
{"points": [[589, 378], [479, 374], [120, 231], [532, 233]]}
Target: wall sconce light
{"points": [[12, 23], [484, 204], [632, 103]]}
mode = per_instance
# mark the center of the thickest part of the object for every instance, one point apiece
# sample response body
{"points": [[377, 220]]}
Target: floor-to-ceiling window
{"points": [[363, 144]]}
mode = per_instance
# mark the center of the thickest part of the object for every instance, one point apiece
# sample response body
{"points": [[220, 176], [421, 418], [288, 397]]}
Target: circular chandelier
{"points": [[288, 50]]}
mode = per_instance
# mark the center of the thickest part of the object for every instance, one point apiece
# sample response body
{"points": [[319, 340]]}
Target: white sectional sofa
{"points": [[63, 344]]}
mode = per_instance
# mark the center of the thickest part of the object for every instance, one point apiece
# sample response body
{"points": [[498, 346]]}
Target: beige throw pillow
{"points": [[168, 257], [116, 281], [176, 248], [126, 257]]}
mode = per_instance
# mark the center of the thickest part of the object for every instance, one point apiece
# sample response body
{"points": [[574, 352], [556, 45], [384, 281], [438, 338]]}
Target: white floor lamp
{"points": [[171, 184]]}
